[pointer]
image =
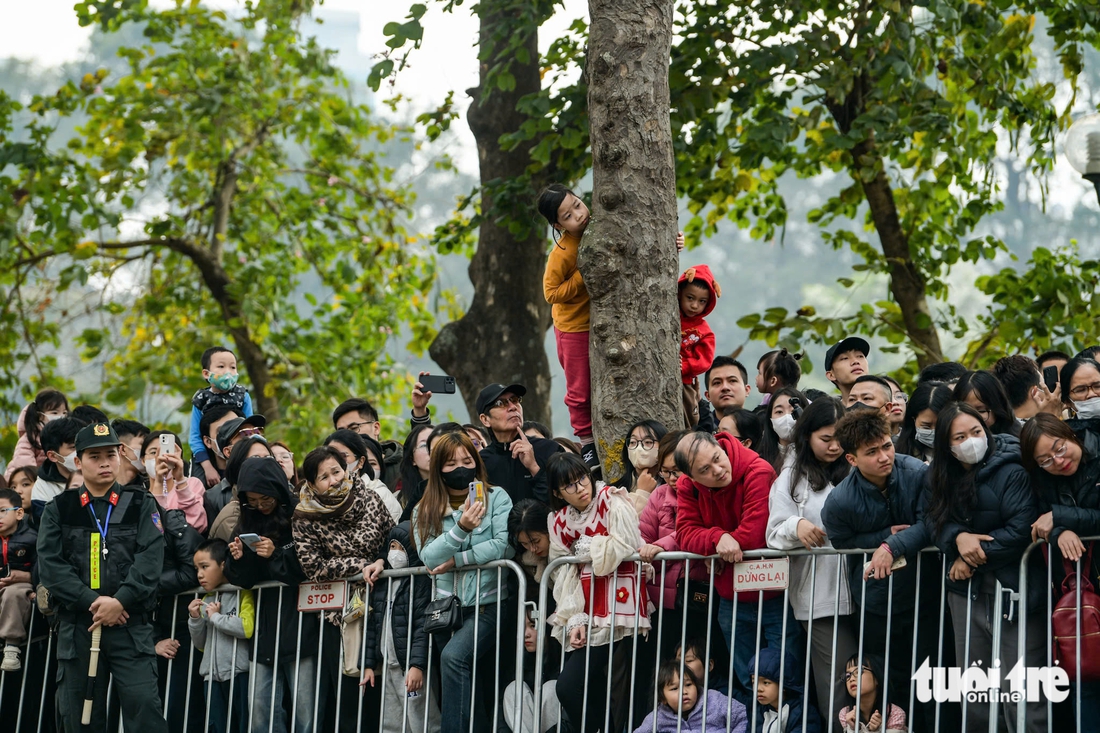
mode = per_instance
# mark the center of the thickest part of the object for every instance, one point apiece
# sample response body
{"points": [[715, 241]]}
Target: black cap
{"points": [[852, 343], [96, 435], [492, 393], [231, 428]]}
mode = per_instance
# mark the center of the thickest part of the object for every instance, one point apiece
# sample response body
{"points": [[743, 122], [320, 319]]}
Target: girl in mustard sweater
{"points": [[564, 289]]}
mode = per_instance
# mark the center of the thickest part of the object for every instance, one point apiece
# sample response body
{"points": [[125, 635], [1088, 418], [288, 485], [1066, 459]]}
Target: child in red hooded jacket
{"points": [[699, 294]]}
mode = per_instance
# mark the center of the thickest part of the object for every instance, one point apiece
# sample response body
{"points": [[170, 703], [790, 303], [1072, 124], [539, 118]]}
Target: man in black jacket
{"points": [[879, 507], [512, 460]]}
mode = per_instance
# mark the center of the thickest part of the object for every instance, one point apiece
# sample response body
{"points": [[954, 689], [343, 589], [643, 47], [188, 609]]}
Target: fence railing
{"points": [[817, 617]]}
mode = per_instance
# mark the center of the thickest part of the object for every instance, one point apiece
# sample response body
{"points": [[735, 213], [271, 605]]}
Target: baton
{"points": [[93, 666]]}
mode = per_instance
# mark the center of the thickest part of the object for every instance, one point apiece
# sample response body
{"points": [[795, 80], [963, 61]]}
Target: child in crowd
{"points": [[681, 703], [49, 404], [775, 715], [22, 482], [549, 701], [699, 294], [219, 369], [694, 649], [776, 370], [18, 541], [59, 442], [220, 623], [528, 532], [866, 686], [395, 636]]}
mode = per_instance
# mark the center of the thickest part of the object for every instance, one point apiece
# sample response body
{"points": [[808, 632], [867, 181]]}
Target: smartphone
{"points": [[1050, 377], [438, 383], [167, 444], [251, 540], [477, 492], [897, 565]]}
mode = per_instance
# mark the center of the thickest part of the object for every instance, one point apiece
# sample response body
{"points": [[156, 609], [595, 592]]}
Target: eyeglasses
{"points": [[421, 446], [1055, 454], [646, 444], [983, 411], [356, 426], [506, 401], [576, 486], [900, 398], [262, 501], [11, 509], [249, 432], [1082, 391], [851, 673], [671, 475]]}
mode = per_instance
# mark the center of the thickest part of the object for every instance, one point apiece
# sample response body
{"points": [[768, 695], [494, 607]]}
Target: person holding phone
{"points": [[453, 530], [286, 641], [1027, 391], [167, 483]]}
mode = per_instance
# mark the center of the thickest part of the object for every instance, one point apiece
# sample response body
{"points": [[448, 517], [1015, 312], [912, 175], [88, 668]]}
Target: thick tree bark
{"points": [[500, 338], [628, 253], [906, 282]]}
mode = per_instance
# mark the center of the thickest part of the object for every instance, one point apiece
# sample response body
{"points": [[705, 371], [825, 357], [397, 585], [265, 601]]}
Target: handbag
{"points": [[443, 614], [1065, 618], [351, 630]]}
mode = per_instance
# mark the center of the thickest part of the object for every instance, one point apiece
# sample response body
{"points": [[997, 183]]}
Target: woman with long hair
{"points": [[985, 393], [781, 413], [453, 528], [639, 457], [918, 429], [980, 514], [366, 452], [413, 472], [49, 404], [816, 465]]}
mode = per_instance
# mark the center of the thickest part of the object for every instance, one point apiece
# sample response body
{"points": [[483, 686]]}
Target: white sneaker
{"points": [[11, 659]]}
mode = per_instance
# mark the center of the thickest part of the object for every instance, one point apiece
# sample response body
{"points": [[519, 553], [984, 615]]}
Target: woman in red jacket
{"points": [[722, 505]]}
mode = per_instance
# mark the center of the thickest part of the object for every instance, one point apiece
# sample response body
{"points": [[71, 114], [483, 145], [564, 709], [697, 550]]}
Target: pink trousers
{"points": [[573, 357]]}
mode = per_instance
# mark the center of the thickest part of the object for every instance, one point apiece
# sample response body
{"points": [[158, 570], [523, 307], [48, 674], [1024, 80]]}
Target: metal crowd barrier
{"points": [[638, 694]]}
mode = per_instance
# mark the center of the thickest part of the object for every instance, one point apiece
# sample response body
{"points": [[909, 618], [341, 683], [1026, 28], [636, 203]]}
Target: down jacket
{"points": [[1004, 508], [1074, 500], [25, 454], [857, 515], [398, 610], [658, 527]]}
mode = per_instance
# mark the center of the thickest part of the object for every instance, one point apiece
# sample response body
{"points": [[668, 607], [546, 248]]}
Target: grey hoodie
{"points": [[223, 637]]}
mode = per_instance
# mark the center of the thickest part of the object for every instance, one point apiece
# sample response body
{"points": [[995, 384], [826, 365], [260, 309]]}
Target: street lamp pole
{"points": [[1083, 149]]}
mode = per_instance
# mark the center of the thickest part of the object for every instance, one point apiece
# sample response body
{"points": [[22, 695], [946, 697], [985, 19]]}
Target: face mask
{"points": [[458, 478], [51, 416], [859, 406], [971, 451], [69, 462], [398, 559], [783, 426], [1087, 409], [224, 382], [149, 468], [926, 436], [139, 466], [641, 458]]}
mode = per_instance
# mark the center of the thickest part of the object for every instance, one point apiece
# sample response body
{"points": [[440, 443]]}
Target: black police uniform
{"points": [[111, 545]]}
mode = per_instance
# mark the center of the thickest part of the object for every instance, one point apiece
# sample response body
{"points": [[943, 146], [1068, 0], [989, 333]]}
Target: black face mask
{"points": [[859, 406], [459, 478]]}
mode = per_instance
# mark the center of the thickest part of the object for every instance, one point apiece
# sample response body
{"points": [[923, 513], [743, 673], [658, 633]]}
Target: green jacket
{"points": [[486, 543]]}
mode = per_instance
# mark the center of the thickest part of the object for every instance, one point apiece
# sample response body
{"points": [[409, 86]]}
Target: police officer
{"points": [[100, 553]]}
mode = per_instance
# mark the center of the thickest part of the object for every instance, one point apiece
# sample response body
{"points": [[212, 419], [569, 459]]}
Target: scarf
{"points": [[313, 504]]}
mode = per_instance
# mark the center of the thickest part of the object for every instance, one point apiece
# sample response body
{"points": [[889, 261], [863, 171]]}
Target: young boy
{"points": [[58, 440], [773, 714], [18, 541], [219, 369], [220, 624], [699, 294]]}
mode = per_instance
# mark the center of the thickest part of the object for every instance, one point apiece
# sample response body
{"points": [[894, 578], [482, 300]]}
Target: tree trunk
{"points": [[500, 338], [628, 253], [906, 281]]}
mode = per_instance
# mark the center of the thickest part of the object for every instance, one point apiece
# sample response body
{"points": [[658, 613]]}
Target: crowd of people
{"points": [[109, 531]]}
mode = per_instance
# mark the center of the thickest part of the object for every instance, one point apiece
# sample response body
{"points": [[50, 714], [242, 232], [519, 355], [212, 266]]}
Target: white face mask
{"points": [[398, 559], [69, 462], [783, 426], [972, 450], [926, 436], [1087, 409], [149, 468], [641, 458]]}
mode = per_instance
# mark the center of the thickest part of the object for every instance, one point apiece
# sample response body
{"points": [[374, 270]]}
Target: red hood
{"points": [[702, 274]]}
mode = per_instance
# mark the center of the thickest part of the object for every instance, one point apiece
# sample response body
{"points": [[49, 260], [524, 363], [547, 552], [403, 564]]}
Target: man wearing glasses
{"points": [[513, 461], [359, 416]]}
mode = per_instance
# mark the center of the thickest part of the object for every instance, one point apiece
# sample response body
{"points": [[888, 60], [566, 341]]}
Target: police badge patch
{"points": [[100, 430], [156, 522]]}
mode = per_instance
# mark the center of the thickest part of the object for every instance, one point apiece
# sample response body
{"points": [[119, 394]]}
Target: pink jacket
{"points": [[658, 527], [25, 454], [187, 497]]}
